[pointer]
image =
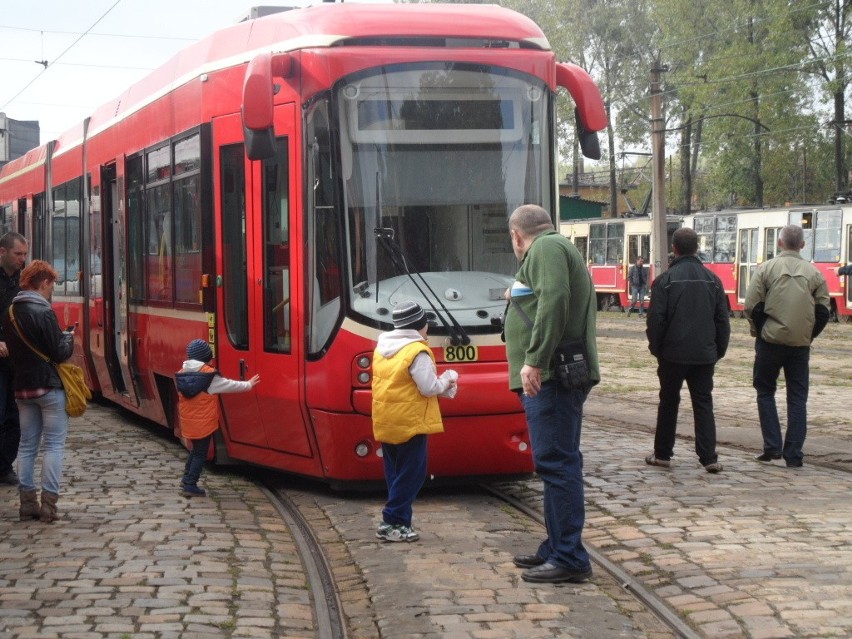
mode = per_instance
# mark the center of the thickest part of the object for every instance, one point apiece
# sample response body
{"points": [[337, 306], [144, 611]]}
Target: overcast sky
{"points": [[123, 41]]}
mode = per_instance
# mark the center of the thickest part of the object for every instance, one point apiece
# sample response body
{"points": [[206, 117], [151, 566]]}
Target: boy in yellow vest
{"points": [[198, 407], [406, 387]]}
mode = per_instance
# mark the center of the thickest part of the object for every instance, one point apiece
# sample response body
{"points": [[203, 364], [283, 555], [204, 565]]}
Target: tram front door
{"points": [[254, 334]]}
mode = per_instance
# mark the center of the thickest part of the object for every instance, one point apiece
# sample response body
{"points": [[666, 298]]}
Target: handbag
{"points": [[77, 394]]}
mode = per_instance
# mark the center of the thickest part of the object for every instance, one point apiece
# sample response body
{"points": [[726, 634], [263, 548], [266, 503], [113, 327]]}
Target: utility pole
{"points": [[659, 228]]}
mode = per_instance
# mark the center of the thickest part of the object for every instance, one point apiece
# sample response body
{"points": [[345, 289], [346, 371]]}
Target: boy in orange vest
{"points": [[406, 387], [198, 407]]}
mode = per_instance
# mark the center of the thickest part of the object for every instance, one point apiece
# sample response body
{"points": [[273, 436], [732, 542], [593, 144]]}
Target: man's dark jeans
{"points": [[10, 423], [699, 380], [555, 419], [768, 361]]}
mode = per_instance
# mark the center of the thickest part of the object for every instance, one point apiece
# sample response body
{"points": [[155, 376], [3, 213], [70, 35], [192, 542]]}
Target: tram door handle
{"points": [[243, 368]]}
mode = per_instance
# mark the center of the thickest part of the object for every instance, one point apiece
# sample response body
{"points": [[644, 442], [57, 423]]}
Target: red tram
{"points": [[278, 187], [732, 243]]}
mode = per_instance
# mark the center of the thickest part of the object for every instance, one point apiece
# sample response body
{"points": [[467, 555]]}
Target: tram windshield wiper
{"points": [[458, 335]]}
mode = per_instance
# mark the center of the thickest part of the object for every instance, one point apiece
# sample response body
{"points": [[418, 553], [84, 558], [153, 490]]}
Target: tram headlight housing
{"points": [[362, 375]]}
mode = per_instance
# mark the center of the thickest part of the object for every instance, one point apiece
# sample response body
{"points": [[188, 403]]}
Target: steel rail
{"points": [[331, 622], [628, 583]]}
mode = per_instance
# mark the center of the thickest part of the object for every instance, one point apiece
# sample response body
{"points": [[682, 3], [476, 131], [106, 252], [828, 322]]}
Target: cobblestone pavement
{"points": [[758, 551], [131, 558]]}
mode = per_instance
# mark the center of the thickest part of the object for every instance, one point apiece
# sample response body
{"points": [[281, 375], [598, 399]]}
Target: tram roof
{"points": [[321, 26]]}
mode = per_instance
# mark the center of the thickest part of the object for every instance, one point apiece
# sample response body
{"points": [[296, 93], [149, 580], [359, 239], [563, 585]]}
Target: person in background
{"points": [[551, 300], [688, 331], [787, 306], [844, 270], [198, 383], [13, 255], [638, 278], [406, 387], [38, 388]]}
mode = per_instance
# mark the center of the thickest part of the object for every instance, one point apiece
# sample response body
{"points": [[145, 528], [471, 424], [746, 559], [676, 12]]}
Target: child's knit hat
{"points": [[199, 350], [409, 315]]}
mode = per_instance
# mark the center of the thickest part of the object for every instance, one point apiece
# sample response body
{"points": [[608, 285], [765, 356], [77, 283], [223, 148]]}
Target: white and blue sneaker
{"points": [[396, 532]]}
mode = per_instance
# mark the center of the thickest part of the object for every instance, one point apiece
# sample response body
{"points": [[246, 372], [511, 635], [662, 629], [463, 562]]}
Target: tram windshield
{"points": [[434, 160]]}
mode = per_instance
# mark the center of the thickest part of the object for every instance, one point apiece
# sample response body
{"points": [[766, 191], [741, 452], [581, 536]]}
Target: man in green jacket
{"points": [[551, 300], [787, 306]]}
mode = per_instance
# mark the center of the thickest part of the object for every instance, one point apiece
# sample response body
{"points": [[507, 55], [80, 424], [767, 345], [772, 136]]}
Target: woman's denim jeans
{"points": [[554, 418], [44, 423]]}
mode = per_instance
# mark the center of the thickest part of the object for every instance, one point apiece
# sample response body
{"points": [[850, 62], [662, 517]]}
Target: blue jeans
{"points": [[195, 460], [405, 473], [10, 425], [554, 419], [637, 296], [43, 422], [768, 361]]}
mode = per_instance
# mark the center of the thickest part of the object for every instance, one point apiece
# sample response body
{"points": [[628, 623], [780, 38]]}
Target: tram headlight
{"points": [[363, 362], [362, 449], [364, 377]]}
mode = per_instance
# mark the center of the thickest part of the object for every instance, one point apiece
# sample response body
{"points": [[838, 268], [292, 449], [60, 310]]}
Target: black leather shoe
{"points": [[547, 573], [528, 561], [768, 457], [796, 463]]}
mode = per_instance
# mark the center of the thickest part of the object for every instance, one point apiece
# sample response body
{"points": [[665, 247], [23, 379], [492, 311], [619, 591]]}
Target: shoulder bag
{"points": [[77, 394], [570, 359]]}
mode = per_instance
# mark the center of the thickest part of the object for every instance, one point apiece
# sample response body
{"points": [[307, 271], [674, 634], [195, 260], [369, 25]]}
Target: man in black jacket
{"points": [[688, 332], [13, 255]]}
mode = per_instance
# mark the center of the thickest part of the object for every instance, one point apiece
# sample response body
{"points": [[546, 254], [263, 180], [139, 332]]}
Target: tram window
{"points": [[606, 245], [276, 248], [704, 229], [188, 155], [159, 248], [65, 234], [324, 293], [770, 243], [187, 240], [582, 244], [135, 234], [5, 219], [638, 246], [725, 244], [232, 194], [827, 234], [805, 219], [159, 164]]}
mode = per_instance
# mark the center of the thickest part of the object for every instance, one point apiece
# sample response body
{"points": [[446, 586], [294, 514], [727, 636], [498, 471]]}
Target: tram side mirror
{"points": [[257, 110], [589, 112], [589, 143]]}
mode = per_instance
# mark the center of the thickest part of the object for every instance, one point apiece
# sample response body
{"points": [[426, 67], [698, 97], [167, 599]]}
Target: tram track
{"points": [[328, 610], [627, 583]]}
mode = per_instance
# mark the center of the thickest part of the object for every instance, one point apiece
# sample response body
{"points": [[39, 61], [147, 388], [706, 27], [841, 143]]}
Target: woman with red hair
{"points": [[31, 324]]}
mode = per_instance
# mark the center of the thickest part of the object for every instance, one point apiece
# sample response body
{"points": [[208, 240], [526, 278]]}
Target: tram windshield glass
{"points": [[434, 159]]}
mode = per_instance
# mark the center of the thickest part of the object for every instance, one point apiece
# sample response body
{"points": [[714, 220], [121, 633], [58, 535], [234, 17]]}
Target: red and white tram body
{"points": [[734, 243], [610, 247], [277, 188]]}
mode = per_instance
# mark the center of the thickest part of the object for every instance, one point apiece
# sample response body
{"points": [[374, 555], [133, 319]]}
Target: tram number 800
{"points": [[469, 353]]}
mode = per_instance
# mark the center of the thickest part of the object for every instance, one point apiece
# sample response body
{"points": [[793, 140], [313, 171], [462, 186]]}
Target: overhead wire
{"points": [[67, 49]]}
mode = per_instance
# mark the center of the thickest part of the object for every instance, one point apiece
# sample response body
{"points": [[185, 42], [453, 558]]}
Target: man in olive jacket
{"points": [[551, 300], [688, 331], [787, 305]]}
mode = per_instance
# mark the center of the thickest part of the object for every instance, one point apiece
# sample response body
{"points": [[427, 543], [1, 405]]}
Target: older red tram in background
{"points": [[277, 188], [732, 243]]}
